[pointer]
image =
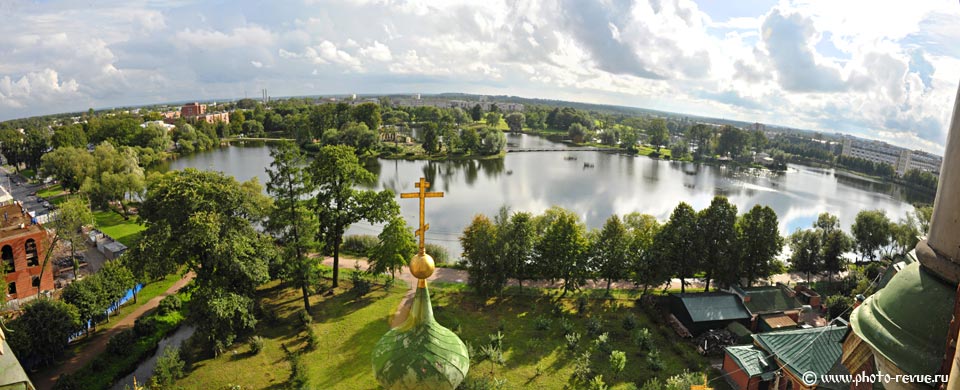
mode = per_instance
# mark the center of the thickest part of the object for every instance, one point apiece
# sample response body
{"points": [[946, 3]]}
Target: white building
{"points": [[902, 160]]}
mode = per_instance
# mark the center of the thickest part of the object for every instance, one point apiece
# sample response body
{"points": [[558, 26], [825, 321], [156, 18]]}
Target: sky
{"points": [[878, 69]]}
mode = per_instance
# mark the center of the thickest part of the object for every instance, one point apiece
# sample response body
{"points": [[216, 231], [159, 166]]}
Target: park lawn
{"points": [[540, 359], [112, 224], [347, 328], [51, 191]]}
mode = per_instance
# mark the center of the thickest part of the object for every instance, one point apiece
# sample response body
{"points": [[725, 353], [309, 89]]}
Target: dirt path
{"points": [[451, 275], [98, 345]]}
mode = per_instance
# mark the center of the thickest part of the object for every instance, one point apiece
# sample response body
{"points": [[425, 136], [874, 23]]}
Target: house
{"points": [[22, 242], [700, 312], [779, 360], [778, 299], [113, 249]]}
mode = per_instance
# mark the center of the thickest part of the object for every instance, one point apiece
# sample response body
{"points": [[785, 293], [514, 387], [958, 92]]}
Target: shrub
{"points": [[837, 305], [169, 304], [594, 326], [642, 338], [603, 343], [573, 339], [581, 368], [145, 325], [169, 368], [496, 340], [305, 318], [483, 383], [654, 361], [358, 244], [313, 339], [597, 383], [541, 323], [67, 382], [361, 284], [629, 322], [298, 372], [618, 361], [120, 343], [566, 326], [440, 255], [256, 344]]}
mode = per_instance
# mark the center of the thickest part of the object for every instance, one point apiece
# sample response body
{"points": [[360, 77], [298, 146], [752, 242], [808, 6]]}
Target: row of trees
{"points": [[557, 245], [106, 174]]}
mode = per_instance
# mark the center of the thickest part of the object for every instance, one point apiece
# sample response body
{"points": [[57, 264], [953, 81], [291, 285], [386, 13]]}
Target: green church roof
{"points": [[907, 320], [713, 306], [420, 354], [751, 359], [12, 375], [803, 350], [769, 299]]}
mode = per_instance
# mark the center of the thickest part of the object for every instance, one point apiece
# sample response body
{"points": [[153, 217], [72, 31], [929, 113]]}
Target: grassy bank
{"points": [[127, 231]]}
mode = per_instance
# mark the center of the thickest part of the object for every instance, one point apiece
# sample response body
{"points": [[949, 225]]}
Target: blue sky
{"points": [[879, 69]]}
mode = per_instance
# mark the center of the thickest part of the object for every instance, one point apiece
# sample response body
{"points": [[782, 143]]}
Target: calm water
{"points": [[617, 184]]}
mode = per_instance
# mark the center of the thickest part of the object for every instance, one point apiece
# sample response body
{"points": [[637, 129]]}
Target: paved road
{"points": [[46, 379], [22, 191]]}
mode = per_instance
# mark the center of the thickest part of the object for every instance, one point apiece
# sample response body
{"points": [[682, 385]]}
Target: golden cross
{"points": [[423, 195]]}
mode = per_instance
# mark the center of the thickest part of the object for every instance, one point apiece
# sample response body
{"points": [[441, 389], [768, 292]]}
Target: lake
{"points": [[620, 184]]}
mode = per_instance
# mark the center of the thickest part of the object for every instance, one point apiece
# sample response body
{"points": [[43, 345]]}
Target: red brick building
{"points": [[193, 109], [21, 253]]}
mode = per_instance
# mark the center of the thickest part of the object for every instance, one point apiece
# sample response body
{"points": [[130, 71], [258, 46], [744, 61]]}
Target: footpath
{"points": [[47, 378]]}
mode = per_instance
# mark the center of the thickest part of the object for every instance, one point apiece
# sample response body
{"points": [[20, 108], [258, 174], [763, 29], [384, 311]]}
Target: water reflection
{"points": [[617, 184]]}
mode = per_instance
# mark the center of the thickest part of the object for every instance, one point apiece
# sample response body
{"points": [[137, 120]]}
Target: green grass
{"points": [[348, 329], [28, 173], [113, 224], [48, 192]]}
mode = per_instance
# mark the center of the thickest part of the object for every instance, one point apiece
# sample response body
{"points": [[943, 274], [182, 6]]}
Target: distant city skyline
{"points": [[879, 70]]}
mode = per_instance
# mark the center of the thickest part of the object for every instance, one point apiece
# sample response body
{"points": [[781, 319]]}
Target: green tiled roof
{"points": [[11, 373], [713, 306], [802, 350], [770, 299], [751, 359]]}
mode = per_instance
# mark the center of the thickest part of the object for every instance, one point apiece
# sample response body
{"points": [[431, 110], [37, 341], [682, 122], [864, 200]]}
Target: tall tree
{"points": [[657, 133], [648, 270], [805, 245], [476, 112], [72, 216], [610, 251], [204, 221], [718, 242], [517, 239], [700, 135], [291, 221], [492, 118], [115, 280], [89, 299], [396, 245], [69, 165], [69, 135], [116, 175], [335, 172], [673, 243], [905, 233], [35, 144], [871, 232], [577, 132], [834, 244], [760, 242], [42, 330], [562, 248], [11, 146], [488, 274], [369, 114]]}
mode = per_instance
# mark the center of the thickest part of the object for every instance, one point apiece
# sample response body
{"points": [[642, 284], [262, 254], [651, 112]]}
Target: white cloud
{"points": [[377, 51]]}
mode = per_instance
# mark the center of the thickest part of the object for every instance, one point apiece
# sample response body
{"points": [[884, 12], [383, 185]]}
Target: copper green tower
{"points": [[420, 353]]}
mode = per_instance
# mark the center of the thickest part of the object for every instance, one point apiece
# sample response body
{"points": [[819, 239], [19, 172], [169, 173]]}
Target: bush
{"points": [[566, 326], [145, 325], [256, 344], [541, 323], [169, 368], [169, 304], [298, 373], [358, 244], [838, 305], [120, 343], [439, 254], [618, 361], [629, 322], [597, 383], [594, 326], [361, 284], [603, 343], [313, 340], [67, 382], [305, 318], [642, 338], [581, 368], [496, 340], [573, 339], [654, 361]]}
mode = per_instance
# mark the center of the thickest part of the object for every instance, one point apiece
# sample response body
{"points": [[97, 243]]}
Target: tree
{"points": [[835, 243], [492, 118], [252, 128], [369, 114], [493, 141], [153, 136], [718, 242], [42, 330], [629, 137], [396, 244], [673, 242], [577, 132], [657, 133], [169, 368], [115, 281], [69, 135], [116, 174], [760, 242], [204, 221], [291, 221], [358, 136], [871, 232], [517, 239], [68, 165], [476, 112], [488, 275], [905, 233], [451, 140], [923, 215], [805, 245], [35, 144], [515, 121], [733, 141], [335, 172], [610, 251], [11, 146], [699, 135], [73, 215], [561, 248], [89, 299], [647, 270], [470, 140], [431, 142]]}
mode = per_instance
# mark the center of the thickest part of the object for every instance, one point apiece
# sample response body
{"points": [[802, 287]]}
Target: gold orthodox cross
{"points": [[423, 195]]}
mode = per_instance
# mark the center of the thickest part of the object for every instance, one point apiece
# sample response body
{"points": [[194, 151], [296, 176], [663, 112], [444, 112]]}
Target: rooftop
{"points": [[778, 321], [11, 217], [12, 375], [752, 360], [802, 350], [770, 299], [713, 306]]}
